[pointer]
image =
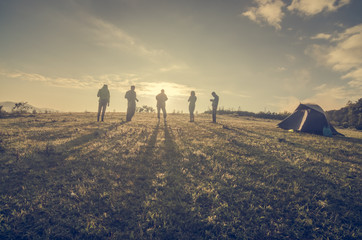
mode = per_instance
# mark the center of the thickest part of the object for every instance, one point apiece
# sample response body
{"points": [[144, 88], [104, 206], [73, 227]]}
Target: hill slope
{"points": [[8, 106], [67, 176]]}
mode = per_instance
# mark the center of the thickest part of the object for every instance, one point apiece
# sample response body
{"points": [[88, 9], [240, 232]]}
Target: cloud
{"points": [[343, 53], [297, 81], [241, 95], [266, 11], [321, 36], [113, 80], [356, 77], [285, 104], [280, 69], [175, 67], [272, 12], [313, 7], [330, 98], [320, 87], [290, 58], [109, 35]]}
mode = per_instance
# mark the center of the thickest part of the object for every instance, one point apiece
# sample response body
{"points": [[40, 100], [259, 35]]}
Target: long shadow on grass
{"points": [[308, 148], [169, 213], [270, 197], [46, 191], [89, 137]]}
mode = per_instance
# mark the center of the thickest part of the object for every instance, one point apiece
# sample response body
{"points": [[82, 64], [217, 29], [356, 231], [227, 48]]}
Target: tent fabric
{"points": [[307, 118]]}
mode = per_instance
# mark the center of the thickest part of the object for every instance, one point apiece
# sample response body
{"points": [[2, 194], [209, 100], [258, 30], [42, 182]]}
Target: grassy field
{"points": [[65, 176]]}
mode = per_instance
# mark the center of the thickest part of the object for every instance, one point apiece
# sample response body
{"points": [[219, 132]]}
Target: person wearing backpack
{"points": [[104, 97]]}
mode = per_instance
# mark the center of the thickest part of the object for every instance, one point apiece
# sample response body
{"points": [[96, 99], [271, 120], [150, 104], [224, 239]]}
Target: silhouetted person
{"points": [[215, 102], [161, 104], [104, 97], [132, 98], [192, 100]]}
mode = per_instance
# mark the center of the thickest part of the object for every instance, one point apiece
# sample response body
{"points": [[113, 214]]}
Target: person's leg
{"points": [[128, 118], [191, 109], [104, 110], [164, 112], [158, 112], [214, 114], [132, 111], [99, 111]]}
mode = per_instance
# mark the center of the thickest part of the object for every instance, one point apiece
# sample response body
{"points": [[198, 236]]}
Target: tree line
{"points": [[264, 115], [348, 116]]}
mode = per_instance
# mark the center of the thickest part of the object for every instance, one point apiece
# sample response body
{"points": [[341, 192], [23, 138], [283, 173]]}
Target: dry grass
{"points": [[65, 176]]}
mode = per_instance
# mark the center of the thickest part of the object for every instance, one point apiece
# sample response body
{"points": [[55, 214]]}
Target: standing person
{"points": [[215, 102], [132, 98], [161, 104], [104, 97], [192, 100]]}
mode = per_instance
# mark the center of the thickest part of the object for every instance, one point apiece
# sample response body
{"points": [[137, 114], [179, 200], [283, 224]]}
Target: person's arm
{"points": [[98, 93]]}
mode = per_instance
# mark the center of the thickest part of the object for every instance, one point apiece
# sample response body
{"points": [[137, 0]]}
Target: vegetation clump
{"points": [[264, 115], [349, 116]]}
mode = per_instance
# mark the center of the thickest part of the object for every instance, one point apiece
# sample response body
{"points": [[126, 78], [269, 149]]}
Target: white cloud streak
{"points": [[114, 81], [109, 35]]}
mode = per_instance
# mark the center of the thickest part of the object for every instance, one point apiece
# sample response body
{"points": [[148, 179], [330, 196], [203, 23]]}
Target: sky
{"points": [[257, 55]]}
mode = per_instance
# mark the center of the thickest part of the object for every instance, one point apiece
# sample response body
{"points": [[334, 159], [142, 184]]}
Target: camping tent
{"points": [[307, 118]]}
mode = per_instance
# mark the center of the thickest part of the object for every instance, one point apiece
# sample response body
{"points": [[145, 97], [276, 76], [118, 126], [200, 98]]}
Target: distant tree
{"points": [[21, 107], [1, 107], [266, 115], [34, 111], [348, 116], [146, 109]]}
